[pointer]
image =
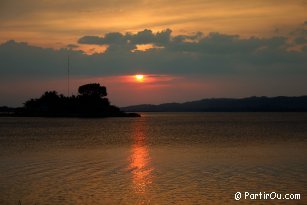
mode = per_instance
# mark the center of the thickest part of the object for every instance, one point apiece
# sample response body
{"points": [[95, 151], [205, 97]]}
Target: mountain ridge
{"points": [[248, 104]]}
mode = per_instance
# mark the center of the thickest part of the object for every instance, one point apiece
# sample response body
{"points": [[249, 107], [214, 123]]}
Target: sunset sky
{"points": [[185, 50]]}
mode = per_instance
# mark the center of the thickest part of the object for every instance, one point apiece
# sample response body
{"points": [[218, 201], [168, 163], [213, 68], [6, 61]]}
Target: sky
{"points": [[186, 50]]}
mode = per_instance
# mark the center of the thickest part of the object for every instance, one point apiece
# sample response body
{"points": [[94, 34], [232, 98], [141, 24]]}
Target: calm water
{"points": [[161, 158]]}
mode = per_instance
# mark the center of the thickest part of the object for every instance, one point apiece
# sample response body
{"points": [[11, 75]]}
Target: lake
{"points": [[160, 158]]}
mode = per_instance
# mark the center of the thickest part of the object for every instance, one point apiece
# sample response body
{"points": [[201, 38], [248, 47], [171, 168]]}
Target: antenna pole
{"points": [[68, 76]]}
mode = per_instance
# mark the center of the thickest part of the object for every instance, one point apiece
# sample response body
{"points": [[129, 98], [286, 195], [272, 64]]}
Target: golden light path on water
{"points": [[140, 162]]}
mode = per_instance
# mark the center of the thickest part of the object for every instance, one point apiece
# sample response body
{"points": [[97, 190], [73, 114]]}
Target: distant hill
{"points": [[250, 104]]}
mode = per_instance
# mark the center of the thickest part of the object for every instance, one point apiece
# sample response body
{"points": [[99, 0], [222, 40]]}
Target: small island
{"points": [[90, 102]]}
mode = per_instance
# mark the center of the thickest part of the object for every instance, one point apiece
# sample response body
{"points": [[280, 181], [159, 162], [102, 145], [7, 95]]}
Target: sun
{"points": [[139, 77]]}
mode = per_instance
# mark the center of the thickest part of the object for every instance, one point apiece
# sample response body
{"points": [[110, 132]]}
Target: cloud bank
{"points": [[201, 65], [197, 53]]}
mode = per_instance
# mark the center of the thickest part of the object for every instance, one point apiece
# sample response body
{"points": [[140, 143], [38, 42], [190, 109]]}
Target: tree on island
{"points": [[91, 102], [93, 89]]}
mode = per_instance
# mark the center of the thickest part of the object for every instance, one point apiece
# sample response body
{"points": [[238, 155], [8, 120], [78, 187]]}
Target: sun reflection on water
{"points": [[140, 161]]}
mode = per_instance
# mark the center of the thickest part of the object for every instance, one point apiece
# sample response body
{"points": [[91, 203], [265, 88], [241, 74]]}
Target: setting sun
{"points": [[139, 78]]}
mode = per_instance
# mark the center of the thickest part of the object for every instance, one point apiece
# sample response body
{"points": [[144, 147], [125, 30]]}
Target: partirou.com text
{"points": [[266, 196]]}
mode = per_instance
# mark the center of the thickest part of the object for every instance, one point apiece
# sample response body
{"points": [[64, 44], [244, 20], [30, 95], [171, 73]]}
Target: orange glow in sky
{"points": [[32, 20], [144, 79]]}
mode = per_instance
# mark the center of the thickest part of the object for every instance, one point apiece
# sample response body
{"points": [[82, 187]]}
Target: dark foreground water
{"points": [[160, 158]]}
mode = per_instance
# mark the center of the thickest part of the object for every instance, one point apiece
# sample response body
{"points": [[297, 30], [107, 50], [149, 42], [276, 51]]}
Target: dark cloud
{"points": [[91, 40], [215, 53], [212, 43], [18, 59], [143, 37], [300, 40], [72, 46]]}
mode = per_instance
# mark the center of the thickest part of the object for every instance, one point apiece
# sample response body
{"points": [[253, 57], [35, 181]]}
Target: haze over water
{"points": [[160, 158]]}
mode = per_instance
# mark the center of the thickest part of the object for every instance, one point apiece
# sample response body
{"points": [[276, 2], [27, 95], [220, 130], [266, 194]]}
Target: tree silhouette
{"points": [[91, 102], [93, 89]]}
